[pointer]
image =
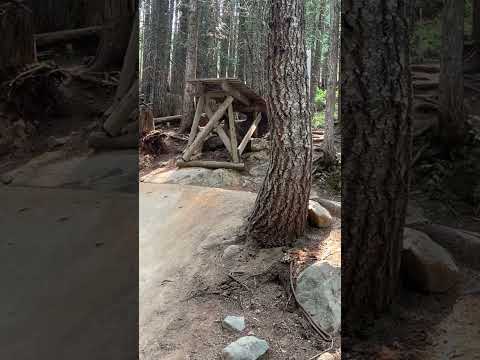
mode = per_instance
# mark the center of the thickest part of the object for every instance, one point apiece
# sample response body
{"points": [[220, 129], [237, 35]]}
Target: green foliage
{"points": [[318, 120], [321, 98]]}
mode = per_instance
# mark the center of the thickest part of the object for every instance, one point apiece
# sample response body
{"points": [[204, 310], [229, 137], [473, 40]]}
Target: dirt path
{"points": [[185, 290], [458, 335], [171, 253]]}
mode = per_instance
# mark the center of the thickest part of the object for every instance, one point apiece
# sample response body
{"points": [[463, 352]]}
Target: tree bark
{"points": [[452, 117], [476, 22], [17, 46], [328, 145], [188, 109], [118, 20], [376, 142], [280, 212]]}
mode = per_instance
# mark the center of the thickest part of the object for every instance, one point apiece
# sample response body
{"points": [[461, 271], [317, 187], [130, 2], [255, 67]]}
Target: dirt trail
{"points": [[171, 254], [458, 335]]}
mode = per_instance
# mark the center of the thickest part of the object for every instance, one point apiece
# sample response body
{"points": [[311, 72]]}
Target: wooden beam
{"points": [[167, 118], [210, 164], [235, 93], [249, 134], [212, 123], [233, 135], [65, 35], [196, 119], [221, 133], [223, 136]]}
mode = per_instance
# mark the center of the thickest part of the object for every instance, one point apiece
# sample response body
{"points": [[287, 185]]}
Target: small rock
{"points": [[328, 356], [333, 207], [234, 323], [6, 178], [53, 142], [231, 250], [245, 348], [427, 265], [318, 215], [259, 144], [319, 292]]}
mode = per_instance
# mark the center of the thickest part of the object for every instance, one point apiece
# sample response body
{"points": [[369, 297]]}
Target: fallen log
{"points": [[50, 38], [425, 68], [210, 164], [100, 140], [167, 119]]}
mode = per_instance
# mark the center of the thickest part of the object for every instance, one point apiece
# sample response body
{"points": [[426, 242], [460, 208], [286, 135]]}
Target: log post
{"points": [[233, 135], [196, 119]]}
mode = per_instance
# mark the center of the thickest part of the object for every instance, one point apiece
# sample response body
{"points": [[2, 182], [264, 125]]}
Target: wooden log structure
{"points": [[235, 97]]}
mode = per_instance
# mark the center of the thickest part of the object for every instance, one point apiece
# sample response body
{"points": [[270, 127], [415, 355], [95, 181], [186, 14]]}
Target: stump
{"points": [[17, 45]]}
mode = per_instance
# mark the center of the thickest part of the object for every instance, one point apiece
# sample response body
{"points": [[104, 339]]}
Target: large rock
{"points": [[319, 292], [427, 265], [463, 245], [246, 348], [318, 215], [196, 176]]}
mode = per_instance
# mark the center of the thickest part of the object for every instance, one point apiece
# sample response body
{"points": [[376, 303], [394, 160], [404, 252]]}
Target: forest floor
{"points": [[426, 326], [188, 284]]}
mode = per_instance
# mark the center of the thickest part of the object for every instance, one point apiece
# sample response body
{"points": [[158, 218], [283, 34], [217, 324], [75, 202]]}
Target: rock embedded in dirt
{"points": [[318, 215], [328, 356], [246, 348], [319, 292], [234, 323], [427, 265]]}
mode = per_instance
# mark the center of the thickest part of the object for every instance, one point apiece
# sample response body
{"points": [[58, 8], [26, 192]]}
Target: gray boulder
{"points": [[246, 348], [319, 292], [427, 265], [231, 250]]}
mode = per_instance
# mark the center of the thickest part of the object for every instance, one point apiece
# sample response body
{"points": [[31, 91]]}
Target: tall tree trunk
{"points": [[376, 154], [161, 54], [452, 117], [179, 51], [329, 140], [16, 47], [190, 65], [280, 211], [476, 22], [118, 20]]}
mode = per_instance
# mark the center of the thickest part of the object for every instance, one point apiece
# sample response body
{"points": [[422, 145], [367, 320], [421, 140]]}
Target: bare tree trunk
{"points": [[329, 140], [452, 117], [476, 22], [376, 154], [16, 46], [188, 94], [118, 19], [280, 211]]}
